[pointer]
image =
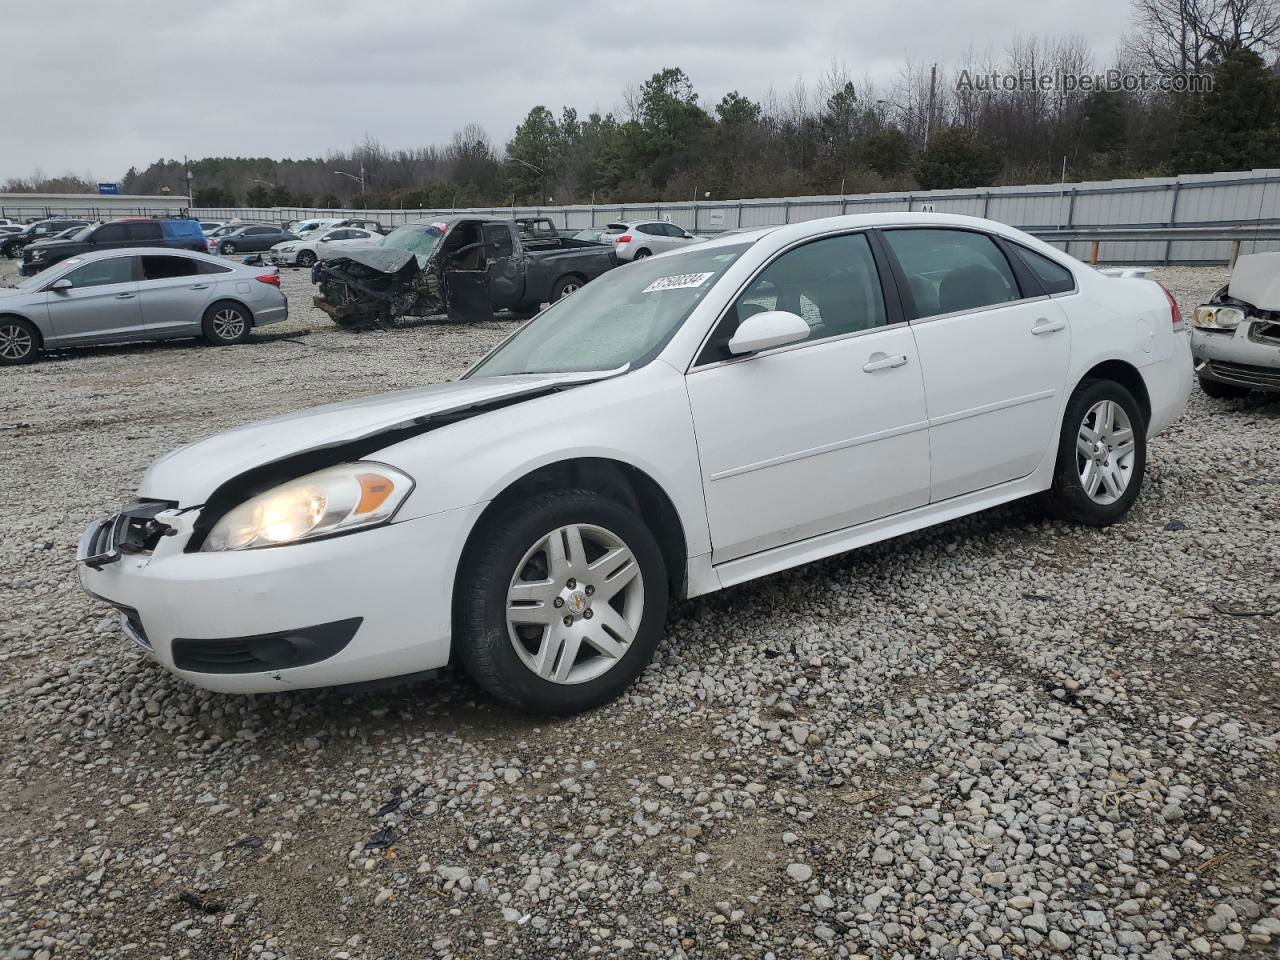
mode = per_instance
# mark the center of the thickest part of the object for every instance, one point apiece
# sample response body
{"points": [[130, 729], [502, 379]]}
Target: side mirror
{"points": [[61, 286], [773, 328]]}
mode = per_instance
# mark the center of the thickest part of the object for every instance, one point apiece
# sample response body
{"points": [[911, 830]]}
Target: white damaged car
{"points": [[697, 420], [1235, 337]]}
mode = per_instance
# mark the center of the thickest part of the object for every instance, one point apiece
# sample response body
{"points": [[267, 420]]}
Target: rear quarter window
{"points": [[1053, 276]]}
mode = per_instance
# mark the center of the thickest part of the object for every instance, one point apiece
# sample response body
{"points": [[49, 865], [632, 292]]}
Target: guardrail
{"points": [[1220, 233]]}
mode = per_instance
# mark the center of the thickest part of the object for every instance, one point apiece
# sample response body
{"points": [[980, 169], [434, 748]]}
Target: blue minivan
{"points": [[177, 233]]}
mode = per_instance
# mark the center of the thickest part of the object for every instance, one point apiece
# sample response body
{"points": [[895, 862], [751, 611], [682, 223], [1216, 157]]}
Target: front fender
{"points": [[641, 419]]}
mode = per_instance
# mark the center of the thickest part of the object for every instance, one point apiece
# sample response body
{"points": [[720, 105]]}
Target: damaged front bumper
{"points": [[376, 287], [1247, 355], [366, 606]]}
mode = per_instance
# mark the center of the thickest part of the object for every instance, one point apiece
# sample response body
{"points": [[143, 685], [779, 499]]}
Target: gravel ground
{"points": [[1000, 738]]}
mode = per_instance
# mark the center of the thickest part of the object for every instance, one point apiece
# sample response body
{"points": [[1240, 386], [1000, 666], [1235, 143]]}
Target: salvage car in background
{"points": [[637, 239], [305, 252], [466, 267], [148, 293], [681, 425], [1235, 337]]}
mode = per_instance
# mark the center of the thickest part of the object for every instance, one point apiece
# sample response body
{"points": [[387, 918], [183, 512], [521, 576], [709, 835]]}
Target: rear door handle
{"points": [[1045, 325], [880, 361], [199, 286], [125, 296]]}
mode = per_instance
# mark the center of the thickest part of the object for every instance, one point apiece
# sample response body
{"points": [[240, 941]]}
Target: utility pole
{"points": [[933, 94]]}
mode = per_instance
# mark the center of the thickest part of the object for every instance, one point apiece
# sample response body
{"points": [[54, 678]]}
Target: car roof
{"points": [[144, 251]]}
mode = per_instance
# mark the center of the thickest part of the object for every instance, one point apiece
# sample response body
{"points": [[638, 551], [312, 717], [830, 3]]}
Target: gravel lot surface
{"points": [[1000, 738]]}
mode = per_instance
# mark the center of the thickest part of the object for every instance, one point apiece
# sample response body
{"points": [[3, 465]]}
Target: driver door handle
{"points": [[880, 361], [125, 296], [1045, 325], [200, 286]]}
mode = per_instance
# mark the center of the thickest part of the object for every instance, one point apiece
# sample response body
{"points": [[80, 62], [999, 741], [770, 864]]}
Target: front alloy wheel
{"points": [[575, 603], [17, 342], [560, 601]]}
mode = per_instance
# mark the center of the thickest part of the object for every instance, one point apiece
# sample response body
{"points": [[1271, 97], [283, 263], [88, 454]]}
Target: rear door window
{"points": [[166, 268], [950, 271], [145, 232], [109, 233]]}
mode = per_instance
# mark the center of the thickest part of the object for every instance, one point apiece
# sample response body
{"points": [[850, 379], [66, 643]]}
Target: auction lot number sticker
{"points": [[683, 281]]}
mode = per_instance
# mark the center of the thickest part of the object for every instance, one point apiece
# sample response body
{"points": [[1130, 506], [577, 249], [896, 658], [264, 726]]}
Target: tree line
{"points": [[958, 125]]}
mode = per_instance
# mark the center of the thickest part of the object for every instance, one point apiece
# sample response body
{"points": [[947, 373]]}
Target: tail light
{"points": [[271, 278], [625, 238], [1174, 313]]}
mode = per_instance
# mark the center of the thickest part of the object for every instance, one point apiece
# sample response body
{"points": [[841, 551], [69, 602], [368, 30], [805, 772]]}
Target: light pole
{"points": [[352, 176], [536, 169]]}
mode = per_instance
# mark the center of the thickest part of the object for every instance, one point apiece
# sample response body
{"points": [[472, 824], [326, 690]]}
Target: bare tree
{"points": [[1188, 36]]}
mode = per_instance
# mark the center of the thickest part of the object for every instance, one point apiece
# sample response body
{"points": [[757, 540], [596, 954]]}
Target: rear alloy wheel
{"points": [[641, 254], [19, 341], [1222, 391], [561, 602], [565, 286], [226, 323], [306, 259], [1102, 455], [228, 248]]}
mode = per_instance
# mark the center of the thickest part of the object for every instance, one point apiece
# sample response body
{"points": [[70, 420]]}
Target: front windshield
{"points": [[623, 317], [418, 238]]}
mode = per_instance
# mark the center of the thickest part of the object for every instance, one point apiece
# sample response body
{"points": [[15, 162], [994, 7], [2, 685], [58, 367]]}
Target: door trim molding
{"points": [[819, 450], [991, 408]]}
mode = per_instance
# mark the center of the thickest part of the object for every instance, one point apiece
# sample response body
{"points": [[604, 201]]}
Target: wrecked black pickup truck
{"points": [[466, 267]]}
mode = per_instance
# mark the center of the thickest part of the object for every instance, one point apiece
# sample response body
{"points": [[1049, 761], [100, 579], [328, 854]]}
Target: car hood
{"points": [[191, 473], [383, 259]]}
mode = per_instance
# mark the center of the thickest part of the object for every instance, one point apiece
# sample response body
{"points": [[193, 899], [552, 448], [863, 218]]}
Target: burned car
{"points": [[1235, 337], [466, 267]]}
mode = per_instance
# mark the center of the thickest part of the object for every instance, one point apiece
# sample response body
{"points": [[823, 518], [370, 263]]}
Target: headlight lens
{"points": [[1218, 318], [352, 496]]}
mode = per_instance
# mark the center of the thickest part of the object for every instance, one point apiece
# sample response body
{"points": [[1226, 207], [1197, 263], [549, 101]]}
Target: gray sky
{"points": [[136, 80]]}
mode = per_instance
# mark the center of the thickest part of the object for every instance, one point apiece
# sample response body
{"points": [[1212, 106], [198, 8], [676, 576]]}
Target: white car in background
{"points": [[304, 227], [696, 421], [637, 239], [305, 252]]}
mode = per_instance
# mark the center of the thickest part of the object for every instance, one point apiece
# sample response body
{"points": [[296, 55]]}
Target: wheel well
{"points": [[620, 482], [1128, 377], [572, 274], [27, 320]]}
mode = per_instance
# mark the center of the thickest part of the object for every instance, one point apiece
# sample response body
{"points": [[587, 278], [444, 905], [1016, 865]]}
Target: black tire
{"points": [[228, 248], [642, 253], [306, 259], [19, 342], [220, 326], [481, 638], [565, 286], [1067, 497], [1222, 391]]}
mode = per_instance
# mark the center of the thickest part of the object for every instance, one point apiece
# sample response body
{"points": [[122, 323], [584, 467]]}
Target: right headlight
{"points": [[1217, 318], [348, 497]]}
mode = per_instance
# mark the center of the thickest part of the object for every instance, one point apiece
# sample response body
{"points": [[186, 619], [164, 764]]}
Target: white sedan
{"points": [[694, 421], [305, 252]]}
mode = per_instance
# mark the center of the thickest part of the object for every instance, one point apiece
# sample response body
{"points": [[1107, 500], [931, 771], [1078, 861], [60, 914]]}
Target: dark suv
{"points": [[177, 234], [11, 246]]}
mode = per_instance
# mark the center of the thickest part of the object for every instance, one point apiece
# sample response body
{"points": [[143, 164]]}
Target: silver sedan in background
{"points": [[140, 293]]}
